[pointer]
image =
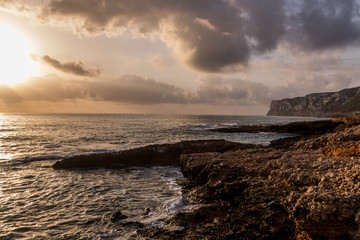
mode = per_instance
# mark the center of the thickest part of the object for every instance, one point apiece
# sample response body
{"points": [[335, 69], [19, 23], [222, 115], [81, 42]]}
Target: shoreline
{"points": [[307, 187]]}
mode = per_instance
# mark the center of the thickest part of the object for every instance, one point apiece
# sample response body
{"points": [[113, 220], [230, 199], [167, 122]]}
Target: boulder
{"points": [[117, 216]]}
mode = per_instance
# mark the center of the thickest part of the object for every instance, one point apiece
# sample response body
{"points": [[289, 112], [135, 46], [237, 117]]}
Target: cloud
{"points": [[50, 88], [315, 83], [136, 90], [265, 22], [75, 68], [8, 3], [132, 89], [230, 91], [326, 24], [213, 35], [126, 89], [8, 95], [159, 60], [220, 91], [201, 47], [213, 93]]}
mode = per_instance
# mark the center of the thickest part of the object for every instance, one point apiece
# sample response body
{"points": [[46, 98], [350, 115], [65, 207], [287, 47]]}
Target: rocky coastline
{"points": [[325, 104], [305, 187]]}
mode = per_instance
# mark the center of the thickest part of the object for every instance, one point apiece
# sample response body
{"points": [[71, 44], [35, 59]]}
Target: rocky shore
{"points": [[306, 187]]}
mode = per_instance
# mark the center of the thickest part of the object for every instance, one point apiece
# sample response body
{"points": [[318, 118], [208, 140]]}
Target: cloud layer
{"points": [[213, 35], [326, 24], [75, 68], [133, 89], [126, 89]]}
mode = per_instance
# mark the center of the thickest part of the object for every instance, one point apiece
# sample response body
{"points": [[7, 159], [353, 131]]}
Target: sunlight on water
{"points": [[28, 137], [48, 204], [4, 157], [4, 133]]}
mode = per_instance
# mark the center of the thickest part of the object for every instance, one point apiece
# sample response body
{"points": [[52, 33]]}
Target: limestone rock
{"points": [[332, 104]]}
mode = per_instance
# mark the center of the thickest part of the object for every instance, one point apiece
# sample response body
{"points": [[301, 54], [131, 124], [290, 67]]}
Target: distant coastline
{"points": [[331, 104]]}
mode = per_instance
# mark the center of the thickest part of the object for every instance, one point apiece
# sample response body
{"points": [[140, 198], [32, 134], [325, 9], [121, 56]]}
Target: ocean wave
{"points": [[202, 127], [19, 161], [79, 203]]}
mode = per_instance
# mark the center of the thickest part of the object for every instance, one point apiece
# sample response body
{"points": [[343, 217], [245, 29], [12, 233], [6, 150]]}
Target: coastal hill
{"points": [[329, 104]]}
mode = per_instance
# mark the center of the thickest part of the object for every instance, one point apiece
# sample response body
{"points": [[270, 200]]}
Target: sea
{"points": [[38, 202]]}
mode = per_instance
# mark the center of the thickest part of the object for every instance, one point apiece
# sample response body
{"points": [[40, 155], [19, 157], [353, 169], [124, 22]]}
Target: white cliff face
{"points": [[332, 104]]}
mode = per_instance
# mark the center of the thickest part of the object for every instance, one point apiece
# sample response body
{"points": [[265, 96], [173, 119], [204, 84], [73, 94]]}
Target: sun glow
{"points": [[16, 63]]}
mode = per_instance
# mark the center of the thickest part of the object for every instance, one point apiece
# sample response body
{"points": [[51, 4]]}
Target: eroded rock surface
{"points": [[269, 194], [343, 143], [300, 188]]}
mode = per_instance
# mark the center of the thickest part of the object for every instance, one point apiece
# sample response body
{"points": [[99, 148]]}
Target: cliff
{"points": [[331, 104]]}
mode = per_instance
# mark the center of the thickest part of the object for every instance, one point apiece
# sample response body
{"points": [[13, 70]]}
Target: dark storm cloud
{"points": [[264, 21], [326, 24], [207, 34], [75, 68], [216, 35]]}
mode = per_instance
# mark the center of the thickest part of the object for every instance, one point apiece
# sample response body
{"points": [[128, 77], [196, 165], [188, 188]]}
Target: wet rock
{"points": [[117, 216], [131, 224], [153, 155], [161, 233], [147, 211], [307, 128]]}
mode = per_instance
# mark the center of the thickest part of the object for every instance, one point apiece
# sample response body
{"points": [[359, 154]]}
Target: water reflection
{"points": [[37, 202], [5, 155]]}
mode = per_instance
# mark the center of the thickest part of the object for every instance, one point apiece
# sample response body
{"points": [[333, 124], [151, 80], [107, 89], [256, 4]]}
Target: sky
{"points": [[227, 57]]}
